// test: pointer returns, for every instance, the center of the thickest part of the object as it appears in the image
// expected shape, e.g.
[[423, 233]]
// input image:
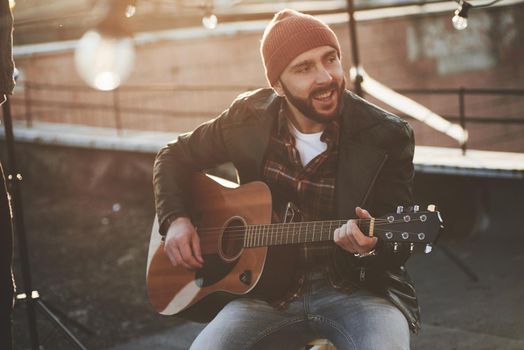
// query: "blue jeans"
[[358, 320]]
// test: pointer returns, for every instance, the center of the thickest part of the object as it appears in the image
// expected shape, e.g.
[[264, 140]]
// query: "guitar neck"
[[297, 232]]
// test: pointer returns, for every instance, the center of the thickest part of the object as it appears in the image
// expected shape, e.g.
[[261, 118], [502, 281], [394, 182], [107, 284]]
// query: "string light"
[[130, 10], [210, 21], [104, 56], [460, 19]]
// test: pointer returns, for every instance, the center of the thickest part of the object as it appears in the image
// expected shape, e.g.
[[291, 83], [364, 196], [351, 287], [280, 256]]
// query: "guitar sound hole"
[[233, 239]]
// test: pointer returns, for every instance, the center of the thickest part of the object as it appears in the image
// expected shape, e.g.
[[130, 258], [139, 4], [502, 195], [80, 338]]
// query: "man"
[[330, 153]]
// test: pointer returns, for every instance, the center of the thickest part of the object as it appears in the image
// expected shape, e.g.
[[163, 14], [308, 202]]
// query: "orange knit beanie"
[[289, 34]]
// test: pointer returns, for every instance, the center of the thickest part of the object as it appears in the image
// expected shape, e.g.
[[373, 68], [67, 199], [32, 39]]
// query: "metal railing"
[[40, 98]]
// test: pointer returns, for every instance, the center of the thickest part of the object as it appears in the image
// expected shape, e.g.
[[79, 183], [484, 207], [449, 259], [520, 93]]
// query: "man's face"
[[314, 83]]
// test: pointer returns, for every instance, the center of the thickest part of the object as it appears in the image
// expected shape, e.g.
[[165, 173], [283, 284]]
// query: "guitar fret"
[[266, 235]]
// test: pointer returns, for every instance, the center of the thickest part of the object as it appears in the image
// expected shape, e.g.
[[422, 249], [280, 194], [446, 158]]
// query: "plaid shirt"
[[311, 187]]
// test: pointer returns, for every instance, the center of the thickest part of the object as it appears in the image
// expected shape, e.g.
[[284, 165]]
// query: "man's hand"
[[182, 244], [349, 237]]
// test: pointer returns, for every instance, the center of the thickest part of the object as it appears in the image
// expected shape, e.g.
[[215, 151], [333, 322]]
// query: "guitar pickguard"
[[214, 270]]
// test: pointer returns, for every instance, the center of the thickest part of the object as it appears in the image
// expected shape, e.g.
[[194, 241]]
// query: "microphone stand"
[[31, 297]]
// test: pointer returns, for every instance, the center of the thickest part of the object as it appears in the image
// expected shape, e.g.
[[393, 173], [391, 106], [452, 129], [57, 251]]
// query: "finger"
[[362, 242], [178, 258], [343, 239], [359, 237], [187, 256], [197, 252], [340, 236], [355, 246], [336, 235], [168, 249], [362, 213]]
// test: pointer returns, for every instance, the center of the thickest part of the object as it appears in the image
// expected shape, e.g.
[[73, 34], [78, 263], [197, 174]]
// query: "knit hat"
[[289, 34]]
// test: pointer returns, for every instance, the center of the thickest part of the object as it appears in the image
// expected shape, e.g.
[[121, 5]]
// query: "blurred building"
[[185, 74]]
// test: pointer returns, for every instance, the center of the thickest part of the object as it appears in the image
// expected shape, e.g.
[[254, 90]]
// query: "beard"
[[305, 105]]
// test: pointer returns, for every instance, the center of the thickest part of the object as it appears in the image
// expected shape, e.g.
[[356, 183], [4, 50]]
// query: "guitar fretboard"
[[295, 232]]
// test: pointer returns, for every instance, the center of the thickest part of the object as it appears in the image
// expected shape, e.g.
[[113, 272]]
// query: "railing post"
[[462, 114], [116, 106], [27, 100], [354, 46]]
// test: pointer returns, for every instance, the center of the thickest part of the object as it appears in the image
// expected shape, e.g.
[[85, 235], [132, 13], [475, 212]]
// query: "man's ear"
[[278, 88]]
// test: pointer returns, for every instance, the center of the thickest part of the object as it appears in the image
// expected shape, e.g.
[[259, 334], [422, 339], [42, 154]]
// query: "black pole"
[[30, 297], [14, 179], [354, 47], [462, 111]]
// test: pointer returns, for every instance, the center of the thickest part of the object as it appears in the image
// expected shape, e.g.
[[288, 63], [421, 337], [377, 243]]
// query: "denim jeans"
[[358, 320]]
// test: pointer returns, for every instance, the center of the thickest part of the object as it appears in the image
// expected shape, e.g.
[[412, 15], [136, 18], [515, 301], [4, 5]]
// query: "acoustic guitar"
[[235, 230]]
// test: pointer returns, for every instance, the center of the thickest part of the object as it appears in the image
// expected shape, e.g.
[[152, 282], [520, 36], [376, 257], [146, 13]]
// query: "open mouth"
[[324, 96]]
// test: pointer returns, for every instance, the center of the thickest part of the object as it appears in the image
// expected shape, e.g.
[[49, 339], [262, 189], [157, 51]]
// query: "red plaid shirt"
[[311, 187]]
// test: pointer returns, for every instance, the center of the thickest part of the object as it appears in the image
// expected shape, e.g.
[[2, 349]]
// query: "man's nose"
[[323, 76]]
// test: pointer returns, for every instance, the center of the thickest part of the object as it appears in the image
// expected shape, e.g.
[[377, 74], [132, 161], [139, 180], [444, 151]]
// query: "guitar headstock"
[[410, 226]]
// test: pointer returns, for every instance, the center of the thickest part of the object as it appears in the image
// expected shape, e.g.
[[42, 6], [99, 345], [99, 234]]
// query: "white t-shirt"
[[308, 145]]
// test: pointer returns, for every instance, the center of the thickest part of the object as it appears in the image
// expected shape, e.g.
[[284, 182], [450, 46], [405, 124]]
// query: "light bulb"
[[460, 23], [12, 4], [130, 11], [210, 21], [104, 62]]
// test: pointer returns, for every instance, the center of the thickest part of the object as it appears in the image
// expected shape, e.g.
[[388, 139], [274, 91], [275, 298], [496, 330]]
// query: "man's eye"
[[303, 69]]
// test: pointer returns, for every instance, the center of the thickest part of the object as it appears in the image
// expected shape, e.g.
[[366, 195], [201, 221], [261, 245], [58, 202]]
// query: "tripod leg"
[[63, 316], [460, 264], [54, 318]]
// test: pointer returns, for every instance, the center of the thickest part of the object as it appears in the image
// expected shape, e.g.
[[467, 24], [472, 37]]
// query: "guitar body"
[[229, 269], [245, 253]]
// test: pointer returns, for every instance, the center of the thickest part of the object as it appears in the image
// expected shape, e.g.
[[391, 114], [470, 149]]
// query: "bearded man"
[[331, 153]]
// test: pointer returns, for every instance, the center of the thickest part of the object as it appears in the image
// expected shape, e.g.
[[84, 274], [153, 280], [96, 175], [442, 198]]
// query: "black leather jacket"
[[375, 171]]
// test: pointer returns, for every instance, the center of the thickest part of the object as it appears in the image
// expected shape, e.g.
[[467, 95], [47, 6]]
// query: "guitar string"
[[289, 227], [360, 221], [240, 234], [275, 235], [209, 238]]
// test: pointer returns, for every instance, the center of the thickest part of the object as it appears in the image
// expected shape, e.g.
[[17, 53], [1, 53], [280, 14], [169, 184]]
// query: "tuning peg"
[[416, 208], [432, 207], [428, 248], [400, 209]]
